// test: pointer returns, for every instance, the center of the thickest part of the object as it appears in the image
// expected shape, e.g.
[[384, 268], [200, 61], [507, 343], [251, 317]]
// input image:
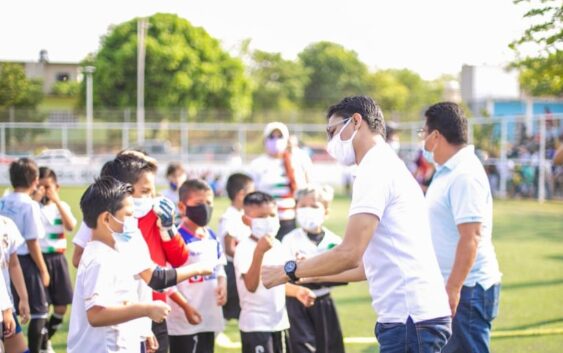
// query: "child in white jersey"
[[316, 328]]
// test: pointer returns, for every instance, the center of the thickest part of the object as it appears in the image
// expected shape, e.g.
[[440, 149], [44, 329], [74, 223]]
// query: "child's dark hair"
[[173, 168], [105, 194], [23, 173], [236, 183], [258, 198], [192, 185], [46, 172], [128, 168]]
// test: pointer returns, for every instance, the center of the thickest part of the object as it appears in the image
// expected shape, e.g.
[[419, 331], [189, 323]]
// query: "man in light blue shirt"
[[460, 207]]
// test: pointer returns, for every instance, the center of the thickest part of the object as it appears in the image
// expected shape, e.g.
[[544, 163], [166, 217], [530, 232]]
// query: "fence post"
[[242, 142], [469, 132], [184, 152], [3, 140], [541, 178], [125, 130], [64, 137], [503, 160]]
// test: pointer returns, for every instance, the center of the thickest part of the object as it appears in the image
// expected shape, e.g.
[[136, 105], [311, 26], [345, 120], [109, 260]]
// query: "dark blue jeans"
[[471, 325], [422, 337]]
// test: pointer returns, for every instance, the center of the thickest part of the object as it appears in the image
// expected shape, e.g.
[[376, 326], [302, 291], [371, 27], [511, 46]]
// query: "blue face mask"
[[429, 156], [130, 227]]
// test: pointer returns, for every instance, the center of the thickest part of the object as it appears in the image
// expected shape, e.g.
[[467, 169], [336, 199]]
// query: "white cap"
[[276, 125]]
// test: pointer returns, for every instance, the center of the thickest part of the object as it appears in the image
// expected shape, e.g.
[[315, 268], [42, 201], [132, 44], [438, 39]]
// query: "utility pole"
[[142, 26], [89, 70]]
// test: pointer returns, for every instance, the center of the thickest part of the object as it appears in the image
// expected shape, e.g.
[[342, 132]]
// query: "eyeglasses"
[[421, 133], [330, 129]]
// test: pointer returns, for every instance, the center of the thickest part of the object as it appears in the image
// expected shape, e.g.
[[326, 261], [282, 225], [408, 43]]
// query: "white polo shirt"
[[460, 193], [400, 265]]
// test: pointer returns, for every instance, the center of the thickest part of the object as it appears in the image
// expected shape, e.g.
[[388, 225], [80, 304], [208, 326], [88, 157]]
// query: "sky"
[[431, 37]]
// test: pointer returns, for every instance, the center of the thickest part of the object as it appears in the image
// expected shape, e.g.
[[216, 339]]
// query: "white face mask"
[[265, 226], [142, 206], [309, 218], [342, 151], [130, 227]]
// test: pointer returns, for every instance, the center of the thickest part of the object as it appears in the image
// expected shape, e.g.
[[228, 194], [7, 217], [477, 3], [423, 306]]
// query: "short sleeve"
[[243, 258], [83, 236], [15, 238], [139, 254], [68, 210], [468, 199], [33, 223], [371, 191], [5, 302], [98, 284]]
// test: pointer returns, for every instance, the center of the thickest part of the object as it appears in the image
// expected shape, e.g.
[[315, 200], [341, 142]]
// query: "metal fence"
[[515, 150]]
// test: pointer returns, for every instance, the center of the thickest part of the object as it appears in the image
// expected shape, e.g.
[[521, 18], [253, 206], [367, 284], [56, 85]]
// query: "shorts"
[[265, 342], [203, 342], [36, 292], [231, 310], [59, 291]]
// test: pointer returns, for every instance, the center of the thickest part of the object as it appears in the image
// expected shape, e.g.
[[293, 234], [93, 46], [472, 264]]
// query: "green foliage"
[[541, 73], [66, 88], [16, 90], [279, 83], [334, 73], [185, 67]]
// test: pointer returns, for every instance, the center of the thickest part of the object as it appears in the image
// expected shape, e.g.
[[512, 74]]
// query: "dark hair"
[[23, 173], [258, 198], [105, 194], [190, 186], [236, 183], [448, 118], [46, 172], [128, 168], [365, 106], [173, 168]]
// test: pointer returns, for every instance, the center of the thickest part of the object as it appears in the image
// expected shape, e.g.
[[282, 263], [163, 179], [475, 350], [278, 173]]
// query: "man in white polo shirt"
[[461, 214], [387, 239]]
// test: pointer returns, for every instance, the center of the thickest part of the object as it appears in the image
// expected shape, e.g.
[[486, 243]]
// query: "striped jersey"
[[54, 240]]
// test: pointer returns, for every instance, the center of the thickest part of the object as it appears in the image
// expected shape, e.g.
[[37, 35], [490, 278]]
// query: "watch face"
[[290, 266]]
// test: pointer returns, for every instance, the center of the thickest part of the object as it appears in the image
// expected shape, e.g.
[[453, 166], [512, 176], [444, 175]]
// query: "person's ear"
[[356, 120], [181, 208]]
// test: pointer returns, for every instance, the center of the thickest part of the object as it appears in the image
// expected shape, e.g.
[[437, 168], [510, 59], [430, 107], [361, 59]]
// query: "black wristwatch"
[[290, 267]]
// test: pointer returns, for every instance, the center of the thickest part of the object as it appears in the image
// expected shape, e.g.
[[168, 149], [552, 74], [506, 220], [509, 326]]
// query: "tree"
[[185, 68], [16, 90], [279, 83], [334, 72], [541, 74]]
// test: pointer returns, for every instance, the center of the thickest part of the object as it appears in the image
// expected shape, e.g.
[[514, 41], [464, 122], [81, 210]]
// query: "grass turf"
[[529, 241]]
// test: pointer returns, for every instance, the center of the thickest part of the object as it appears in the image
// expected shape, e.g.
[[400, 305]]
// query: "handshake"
[[165, 211]]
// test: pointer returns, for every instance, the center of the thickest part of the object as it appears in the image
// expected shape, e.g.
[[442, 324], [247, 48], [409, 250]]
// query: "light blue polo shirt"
[[26, 214], [460, 193]]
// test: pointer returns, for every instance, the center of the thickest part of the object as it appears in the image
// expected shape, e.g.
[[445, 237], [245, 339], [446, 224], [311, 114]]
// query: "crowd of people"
[[153, 276]]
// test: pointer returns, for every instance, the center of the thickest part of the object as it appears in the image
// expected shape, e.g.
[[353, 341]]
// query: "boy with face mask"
[[207, 294], [105, 306], [316, 327], [263, 320], [164, 243], [57, 219], [175, 175]]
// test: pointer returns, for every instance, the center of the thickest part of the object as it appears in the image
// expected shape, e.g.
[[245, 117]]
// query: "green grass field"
[[529, 241]]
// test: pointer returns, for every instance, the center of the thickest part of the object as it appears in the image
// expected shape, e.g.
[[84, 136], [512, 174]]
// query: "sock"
[[55, 322], [35, 331]]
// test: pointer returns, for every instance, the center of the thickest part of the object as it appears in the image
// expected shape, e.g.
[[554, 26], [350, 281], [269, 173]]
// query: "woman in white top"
[[280, 172]]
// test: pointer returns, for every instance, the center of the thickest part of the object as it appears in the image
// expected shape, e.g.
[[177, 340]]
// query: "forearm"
[[113, 315], [36, 255], [252, 277], [69, 222], [175, 251], [466, 253], [185, 272], [76, 255], [357, 274], [334, 262], [291, 290], [16, 275], [179, 299], [230, 245]]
